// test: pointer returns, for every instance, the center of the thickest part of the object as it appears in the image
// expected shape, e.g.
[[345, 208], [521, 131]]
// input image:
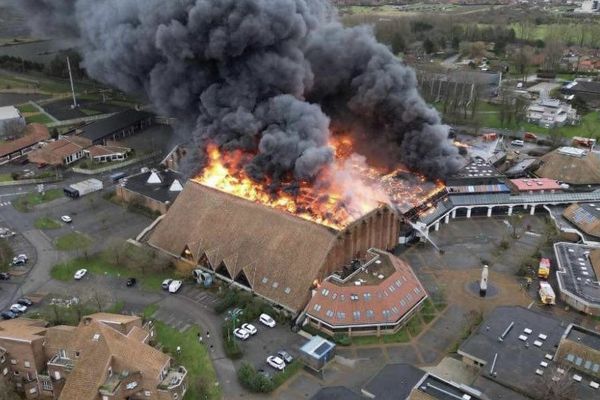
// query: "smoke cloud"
[[264, 76]]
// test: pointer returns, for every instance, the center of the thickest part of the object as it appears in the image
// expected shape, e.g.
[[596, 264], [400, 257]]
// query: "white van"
[[517, 143]]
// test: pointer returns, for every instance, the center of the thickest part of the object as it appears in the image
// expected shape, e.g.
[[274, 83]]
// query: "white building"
[[11, 121], [589, 6], [551, 113]]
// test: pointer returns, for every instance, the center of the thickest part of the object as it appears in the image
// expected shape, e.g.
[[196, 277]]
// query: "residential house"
[[107, 356], [33, 135], [61, 152], [551, 113]]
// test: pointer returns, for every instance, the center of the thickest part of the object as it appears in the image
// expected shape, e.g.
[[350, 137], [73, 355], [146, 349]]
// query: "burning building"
[[276, 254]]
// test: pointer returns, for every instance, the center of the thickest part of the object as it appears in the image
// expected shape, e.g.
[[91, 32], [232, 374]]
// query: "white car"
[[80, 274], [18, 308], [265, 319], [174, 286], [241, 333], [276, 362], [66, 219], [165, 284], [251, 329]]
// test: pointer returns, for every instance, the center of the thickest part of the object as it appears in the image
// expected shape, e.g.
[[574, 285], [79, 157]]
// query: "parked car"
[[18, 308], [517, 142], [175, 286], [276, 362], [131, 282], [265, 319], [4, 276], [251, 329], [66, 219], [80, 274], [8, 315], [285, 356], [18, 262], [166, 283], [25, 301], [241, 333]]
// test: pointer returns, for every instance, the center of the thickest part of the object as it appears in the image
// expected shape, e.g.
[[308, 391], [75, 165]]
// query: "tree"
[[515, 221], [522, 59], [555, 137], [397, 43], [556, 385], [429, 46]]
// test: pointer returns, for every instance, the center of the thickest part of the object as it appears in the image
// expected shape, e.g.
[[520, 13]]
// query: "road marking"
[[530, 304], [185, 327]]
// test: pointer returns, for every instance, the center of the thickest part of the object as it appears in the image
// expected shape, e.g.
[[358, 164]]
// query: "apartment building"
[[106, 357]]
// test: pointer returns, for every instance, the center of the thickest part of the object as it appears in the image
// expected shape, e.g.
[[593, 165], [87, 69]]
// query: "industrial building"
[[586, 217], [115, 127], [577, 275], [379, 296], [275, 254], [571, 165]]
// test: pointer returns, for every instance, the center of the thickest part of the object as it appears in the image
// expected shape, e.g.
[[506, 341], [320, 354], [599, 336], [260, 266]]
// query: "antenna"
[[72, 86]]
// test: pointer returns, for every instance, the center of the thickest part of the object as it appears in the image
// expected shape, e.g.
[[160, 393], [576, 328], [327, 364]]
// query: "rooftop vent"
[[96, 337], [176, 186], [154, 178]]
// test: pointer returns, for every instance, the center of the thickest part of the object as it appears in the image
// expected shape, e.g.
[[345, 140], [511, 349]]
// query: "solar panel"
[[322, 349]]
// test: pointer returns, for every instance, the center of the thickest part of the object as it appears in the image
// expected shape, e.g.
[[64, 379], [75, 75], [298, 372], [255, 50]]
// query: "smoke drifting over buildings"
[[265, 76]]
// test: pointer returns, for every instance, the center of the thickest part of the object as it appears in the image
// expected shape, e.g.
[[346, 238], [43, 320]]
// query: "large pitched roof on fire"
[[278, 254]]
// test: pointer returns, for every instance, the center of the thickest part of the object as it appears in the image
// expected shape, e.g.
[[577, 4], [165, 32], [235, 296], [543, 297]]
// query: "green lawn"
[[47, 223], [38, 118], [97, 264], [28, 108], [26, 202], [73, 241], [202, 379], [6, 178]]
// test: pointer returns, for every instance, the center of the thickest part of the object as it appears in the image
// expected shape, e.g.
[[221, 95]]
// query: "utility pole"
[[72, 86]]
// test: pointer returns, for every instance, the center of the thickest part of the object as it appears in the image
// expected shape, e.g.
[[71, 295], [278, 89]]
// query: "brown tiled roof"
[[57, 338], [280, 254], [137, 333], [100, 150], [343, 305], [595, 261], [34, 133], [54, 152], [23, 328], [100, 346], [113, 318]]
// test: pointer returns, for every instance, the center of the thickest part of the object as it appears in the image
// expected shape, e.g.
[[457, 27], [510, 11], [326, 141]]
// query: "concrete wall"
[[129, 197]]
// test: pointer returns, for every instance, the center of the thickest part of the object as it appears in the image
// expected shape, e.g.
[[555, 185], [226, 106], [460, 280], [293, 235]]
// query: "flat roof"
[[477, 169], [526, 185], [587, 337], [336, 393], [576, 274], [9, 112], [317, 346], [441, 389], [526, 337], [394, 381]]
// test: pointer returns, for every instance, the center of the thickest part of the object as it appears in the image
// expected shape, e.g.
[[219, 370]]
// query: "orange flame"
[[343, 192]]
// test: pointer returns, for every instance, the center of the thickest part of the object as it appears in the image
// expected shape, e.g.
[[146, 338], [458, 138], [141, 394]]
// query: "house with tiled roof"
[[34, 134], [376, 297], [107, 356]]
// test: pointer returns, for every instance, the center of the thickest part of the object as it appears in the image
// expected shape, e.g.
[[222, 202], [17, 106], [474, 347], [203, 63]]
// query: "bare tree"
[[99, 300], [555, 384], [7, 391]]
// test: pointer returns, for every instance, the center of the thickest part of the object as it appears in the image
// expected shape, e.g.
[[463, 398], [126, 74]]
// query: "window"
[[370, 314], [32, 390], [329, 313], [13, 361], [147, 393], [341, 315], [334, 296], [325, 292], [265, 280], [356, 315], [46, 384], [287, 290], [275, 285], [104, 397], [367, 296], [317, 307], [5, 371], [76, 354], [386, 314], [27, 364], [131, 385], [16, 373], [56, 375]]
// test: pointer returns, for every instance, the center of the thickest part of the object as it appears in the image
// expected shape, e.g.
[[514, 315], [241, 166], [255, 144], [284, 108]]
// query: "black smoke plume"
[[267, 76]]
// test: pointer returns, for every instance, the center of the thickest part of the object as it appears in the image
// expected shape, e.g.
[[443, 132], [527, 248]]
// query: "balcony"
[[60, 361], [173, 379]]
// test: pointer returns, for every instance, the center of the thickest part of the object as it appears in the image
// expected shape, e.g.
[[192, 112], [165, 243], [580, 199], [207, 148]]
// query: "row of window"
[[582, 363], [27, 364]]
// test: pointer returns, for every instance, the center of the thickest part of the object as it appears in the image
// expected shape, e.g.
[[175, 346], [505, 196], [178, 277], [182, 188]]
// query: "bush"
[[342, 339], [229, 299], [253, 380], [230, 345], [504, 244]]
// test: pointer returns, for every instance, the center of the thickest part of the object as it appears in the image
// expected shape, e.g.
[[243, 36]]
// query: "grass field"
[[99, 265], [202, 379], [72, 242], [28, 109], [47, 223], [6, 178], [26, 202], [39, 118]]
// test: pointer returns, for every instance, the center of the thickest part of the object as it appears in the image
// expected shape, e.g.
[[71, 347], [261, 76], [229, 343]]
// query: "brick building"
[[107, 356]]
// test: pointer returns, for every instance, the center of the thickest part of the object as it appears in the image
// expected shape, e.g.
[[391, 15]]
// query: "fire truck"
[[544, 268], [547, 293]]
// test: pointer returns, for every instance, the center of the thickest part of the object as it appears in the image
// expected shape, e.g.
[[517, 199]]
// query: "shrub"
[[229, 299], [504, 244], [342, 339], [230, 345], [253, 380]]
